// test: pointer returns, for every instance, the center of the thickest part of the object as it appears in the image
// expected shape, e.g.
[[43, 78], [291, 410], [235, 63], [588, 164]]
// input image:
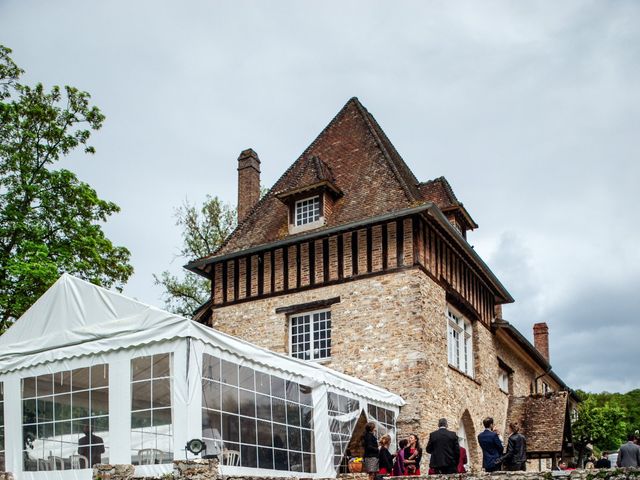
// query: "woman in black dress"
[[385, 458], [371, 450]]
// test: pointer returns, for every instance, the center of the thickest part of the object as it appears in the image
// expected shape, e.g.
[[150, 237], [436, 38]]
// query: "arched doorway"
[[467, 436]]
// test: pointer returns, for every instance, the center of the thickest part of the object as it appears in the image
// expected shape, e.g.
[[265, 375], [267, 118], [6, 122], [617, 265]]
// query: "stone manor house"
[[350, 261]]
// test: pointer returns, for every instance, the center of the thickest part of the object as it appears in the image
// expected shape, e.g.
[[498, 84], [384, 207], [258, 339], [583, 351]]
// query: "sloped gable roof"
[[439, 192], [542, 420], [364, 165]]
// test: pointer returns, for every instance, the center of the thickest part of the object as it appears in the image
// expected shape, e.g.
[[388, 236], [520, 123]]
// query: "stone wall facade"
[[391, 330]]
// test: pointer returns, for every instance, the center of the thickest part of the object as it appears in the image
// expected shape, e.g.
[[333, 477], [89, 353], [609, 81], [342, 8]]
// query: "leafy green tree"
[[629, 402], [50, 221], [203, 231], [602, 426]]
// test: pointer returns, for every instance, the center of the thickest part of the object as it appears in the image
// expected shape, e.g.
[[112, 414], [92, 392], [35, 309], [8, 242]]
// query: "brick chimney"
[[541, 339], [248, 182]]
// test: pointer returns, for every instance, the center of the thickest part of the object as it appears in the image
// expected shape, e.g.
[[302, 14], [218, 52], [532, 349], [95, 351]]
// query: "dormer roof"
[[313, 174]]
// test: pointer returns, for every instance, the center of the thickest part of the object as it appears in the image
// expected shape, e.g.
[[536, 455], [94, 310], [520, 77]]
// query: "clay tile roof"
[[312, 171], [542, 420], [439, 192], [363, 164]]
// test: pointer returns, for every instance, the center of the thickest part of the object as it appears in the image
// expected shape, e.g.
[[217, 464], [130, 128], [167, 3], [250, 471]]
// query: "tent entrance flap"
[[348, 417]]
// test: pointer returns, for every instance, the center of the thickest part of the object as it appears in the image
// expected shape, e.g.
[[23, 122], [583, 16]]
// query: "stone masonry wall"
[[202, 470], [391, 330]]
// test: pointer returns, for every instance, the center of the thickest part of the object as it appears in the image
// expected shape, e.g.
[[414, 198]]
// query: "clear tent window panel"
[[65, 417], [343, 416], [384, 419], [151, 409], [254, 419]]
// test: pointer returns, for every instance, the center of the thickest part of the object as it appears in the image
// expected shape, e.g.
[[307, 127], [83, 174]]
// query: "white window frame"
[[152, 432], [310, 211], [312, 330], [503, 379], [66, 441], [214, 381], [459, 341]]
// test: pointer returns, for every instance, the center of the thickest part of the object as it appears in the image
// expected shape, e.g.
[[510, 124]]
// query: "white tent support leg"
[[180, 400], [13, 423], [119, 408], [324, 446], [187, 395]]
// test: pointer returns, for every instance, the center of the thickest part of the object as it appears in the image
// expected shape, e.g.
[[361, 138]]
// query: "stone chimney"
[[541, 339], [248, 182]]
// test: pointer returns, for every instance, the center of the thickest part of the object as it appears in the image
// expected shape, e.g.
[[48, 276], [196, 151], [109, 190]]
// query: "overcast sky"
[[530, 109]]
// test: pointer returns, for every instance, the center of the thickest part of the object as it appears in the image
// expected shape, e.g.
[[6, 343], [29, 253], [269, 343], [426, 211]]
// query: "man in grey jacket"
[[629, 454]]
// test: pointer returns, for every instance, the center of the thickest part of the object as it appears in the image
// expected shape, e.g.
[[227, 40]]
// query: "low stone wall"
[[208, 470], [182, 470]]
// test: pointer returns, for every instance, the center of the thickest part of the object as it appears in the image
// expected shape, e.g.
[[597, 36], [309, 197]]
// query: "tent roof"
[[75, 318]]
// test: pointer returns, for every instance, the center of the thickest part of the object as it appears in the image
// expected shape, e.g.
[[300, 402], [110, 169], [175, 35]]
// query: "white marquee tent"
[[89, 375]]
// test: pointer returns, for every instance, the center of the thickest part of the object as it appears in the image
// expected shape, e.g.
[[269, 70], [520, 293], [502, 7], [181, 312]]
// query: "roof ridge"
[[447, 187], [371, 123]]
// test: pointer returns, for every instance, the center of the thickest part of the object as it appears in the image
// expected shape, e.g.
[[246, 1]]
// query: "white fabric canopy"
[[76, 325], [76, 318]]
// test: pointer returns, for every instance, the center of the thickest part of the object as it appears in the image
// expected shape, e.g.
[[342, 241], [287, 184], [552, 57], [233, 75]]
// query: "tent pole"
[[323, 443]]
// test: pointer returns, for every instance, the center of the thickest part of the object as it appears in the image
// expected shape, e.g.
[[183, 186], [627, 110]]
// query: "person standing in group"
[[603, 461], [385, 459], [491, 446], [398, 465], [463, 458], [444, 449], [629, 453], [412, 456], [371, 450], [516, 457]]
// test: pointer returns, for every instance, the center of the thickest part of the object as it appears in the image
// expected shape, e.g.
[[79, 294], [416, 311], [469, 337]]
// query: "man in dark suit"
[[629, 454], [491, 446], [444, 449], [604, 461]]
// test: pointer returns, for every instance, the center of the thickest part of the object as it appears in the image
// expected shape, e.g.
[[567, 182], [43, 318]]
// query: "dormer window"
[[311, 201], [307, 211]]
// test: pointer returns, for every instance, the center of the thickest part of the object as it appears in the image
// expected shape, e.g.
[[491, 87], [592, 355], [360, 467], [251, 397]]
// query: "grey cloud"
[[530, 109]]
